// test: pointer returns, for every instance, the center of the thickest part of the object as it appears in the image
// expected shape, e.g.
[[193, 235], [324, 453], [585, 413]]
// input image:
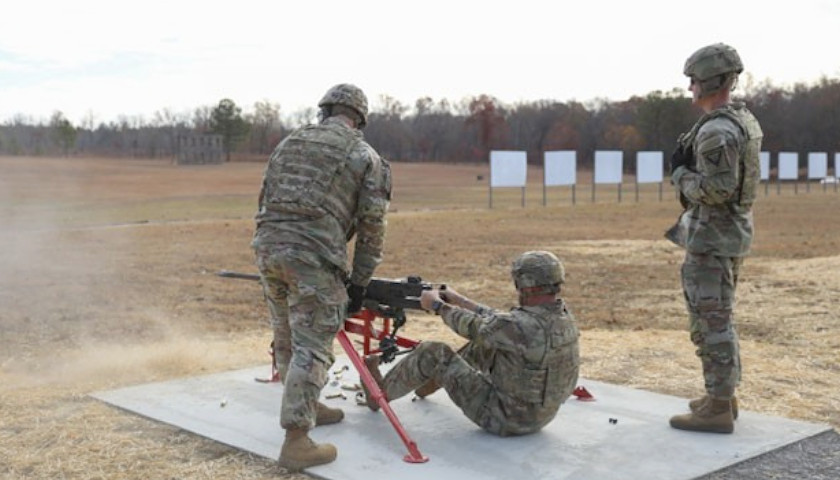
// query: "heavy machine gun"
[[387, 300]]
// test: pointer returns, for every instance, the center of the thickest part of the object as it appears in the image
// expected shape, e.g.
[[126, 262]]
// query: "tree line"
[[802, 118]]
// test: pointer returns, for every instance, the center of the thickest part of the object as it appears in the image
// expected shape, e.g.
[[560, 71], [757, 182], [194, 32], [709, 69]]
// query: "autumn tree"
[[802, 118], [486, 122], [546, 125]]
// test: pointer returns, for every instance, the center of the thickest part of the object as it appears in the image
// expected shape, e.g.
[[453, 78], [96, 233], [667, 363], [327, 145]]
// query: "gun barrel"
[[243, 276]]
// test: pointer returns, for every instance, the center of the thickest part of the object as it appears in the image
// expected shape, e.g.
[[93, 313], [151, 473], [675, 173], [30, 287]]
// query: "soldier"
[[716, 170], [517, 368], [322, 184]]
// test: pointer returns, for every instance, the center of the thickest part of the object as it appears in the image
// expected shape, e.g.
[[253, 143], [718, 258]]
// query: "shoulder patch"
[[713, 156]]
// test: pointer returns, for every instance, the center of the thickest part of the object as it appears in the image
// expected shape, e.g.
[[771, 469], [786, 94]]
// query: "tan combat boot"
[[427, 389], [325, 415], [695, 404], [299, 451], [712, 416], [372, 364]]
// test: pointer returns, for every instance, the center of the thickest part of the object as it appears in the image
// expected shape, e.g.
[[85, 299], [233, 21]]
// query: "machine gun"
[[388, 299], [385, 299]]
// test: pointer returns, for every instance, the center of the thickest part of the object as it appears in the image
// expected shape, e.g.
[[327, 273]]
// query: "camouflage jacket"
[[721, 185], [534, 367], [323, 184]]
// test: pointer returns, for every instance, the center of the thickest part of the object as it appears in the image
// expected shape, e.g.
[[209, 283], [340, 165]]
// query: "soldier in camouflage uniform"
[[518, 367], [322, 185], [716, 170]]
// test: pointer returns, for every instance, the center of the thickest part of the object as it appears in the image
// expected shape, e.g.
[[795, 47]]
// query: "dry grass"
[[107, 280]]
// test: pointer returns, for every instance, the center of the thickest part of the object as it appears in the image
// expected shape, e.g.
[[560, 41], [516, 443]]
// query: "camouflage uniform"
[[716, 230], [323, 184], [513, 375]]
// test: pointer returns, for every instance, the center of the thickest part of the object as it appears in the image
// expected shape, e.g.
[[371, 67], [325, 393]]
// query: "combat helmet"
[[538, 273], [712, 65], [350, 96]]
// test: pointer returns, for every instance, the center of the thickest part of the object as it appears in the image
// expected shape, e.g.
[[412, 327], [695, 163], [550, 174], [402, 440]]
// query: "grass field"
[[108, 280]]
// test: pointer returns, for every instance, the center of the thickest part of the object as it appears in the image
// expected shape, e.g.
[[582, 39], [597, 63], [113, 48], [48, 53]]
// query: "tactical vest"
[[748, 159], [552, 380], [308, 174]]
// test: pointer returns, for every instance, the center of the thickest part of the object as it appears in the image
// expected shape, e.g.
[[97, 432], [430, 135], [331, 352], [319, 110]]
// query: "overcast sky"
[[107, 58]]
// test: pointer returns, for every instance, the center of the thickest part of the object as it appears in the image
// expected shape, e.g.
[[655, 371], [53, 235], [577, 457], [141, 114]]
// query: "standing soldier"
[[518, 367], [716, 170], [323, 184]]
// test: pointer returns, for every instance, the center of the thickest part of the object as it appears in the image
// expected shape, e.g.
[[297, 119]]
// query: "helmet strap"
[[717, 83]]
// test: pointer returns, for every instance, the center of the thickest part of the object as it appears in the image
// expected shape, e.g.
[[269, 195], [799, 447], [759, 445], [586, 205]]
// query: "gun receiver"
[[395, 293]]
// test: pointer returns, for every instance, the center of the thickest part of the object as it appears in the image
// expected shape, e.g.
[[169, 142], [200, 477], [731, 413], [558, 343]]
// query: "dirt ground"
[[107, 279]]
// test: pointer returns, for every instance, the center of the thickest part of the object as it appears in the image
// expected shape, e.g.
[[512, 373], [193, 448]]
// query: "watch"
[[436, 306]]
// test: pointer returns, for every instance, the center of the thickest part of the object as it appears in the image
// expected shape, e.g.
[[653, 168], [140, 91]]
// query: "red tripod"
[[362, 324], [388, 343]]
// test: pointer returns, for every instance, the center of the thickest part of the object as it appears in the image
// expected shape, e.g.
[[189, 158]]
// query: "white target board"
[[508, 168], [608, 165], [788, 165], [764, 165], [817, 165], [560, 167], [649, 167]]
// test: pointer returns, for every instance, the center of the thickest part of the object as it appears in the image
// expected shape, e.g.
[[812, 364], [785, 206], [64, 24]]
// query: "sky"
[[97, 60]]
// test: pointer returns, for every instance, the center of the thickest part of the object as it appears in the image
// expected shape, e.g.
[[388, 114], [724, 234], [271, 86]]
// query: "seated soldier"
[[517, 368]]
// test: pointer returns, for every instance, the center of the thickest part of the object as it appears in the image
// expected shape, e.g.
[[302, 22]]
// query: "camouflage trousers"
[[459, 373], [307, 300], [709, 287]]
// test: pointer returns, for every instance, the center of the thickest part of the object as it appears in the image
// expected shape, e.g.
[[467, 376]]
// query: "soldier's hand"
[[357, 295], [428, 298], [682, 157], [451, 296]]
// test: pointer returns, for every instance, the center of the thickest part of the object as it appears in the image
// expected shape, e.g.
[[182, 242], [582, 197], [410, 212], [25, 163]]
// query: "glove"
[[357, 295], [682, 157]]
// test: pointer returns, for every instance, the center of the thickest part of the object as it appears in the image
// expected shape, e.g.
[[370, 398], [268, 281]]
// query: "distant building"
[[200, 149]]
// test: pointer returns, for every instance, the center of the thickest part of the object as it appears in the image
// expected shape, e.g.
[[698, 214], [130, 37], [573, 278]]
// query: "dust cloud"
[[77, 302]]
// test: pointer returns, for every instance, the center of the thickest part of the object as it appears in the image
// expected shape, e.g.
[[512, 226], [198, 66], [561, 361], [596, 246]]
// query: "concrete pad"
[[581, 443]]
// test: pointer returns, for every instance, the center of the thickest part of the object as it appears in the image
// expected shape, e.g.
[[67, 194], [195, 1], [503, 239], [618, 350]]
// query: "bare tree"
[[303, 117], [265, 126]]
